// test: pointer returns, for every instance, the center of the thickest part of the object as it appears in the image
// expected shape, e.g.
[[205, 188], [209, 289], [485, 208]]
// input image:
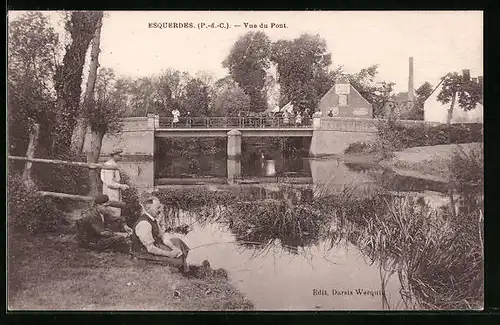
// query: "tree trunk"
[[78, 141], [452, 106], [34, 135], [81, 128], [93, 157]]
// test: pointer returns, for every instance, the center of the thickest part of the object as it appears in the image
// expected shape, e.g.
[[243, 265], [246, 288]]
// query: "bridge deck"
[[222, 132]]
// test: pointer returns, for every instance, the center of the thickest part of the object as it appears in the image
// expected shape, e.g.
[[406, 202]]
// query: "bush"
[[467, 175], [28, 211], [131, 197], [395, 135], [62, 178], [359, 147]]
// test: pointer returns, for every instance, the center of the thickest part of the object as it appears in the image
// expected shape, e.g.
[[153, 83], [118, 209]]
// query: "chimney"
[[466, 74], [410, 80]]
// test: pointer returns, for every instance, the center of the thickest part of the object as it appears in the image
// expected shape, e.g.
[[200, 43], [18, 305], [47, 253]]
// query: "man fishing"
[[149, 243], [94, 229]]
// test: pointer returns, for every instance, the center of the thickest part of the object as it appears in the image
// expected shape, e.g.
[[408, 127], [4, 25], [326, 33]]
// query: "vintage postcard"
[[245, 160]]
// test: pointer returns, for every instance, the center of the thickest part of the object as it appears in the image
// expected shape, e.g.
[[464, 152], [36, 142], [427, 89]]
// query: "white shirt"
[[111, 181], [144, 231]]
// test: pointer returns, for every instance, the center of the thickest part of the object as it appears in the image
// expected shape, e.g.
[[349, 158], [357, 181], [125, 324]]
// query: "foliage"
[[195, 99], [438, 259], [68, 76], [302, 66], [376, 93], [247, 63], [359, 147], [62, 178], [28, 211], [422, 93], [461, 87], [105, 113], [231, 101], [395, 135], [32, 48], [467, 175], [131, 197]]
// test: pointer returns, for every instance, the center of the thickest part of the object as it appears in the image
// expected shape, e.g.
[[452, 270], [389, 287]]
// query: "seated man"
[[94, 231], [150, 244]]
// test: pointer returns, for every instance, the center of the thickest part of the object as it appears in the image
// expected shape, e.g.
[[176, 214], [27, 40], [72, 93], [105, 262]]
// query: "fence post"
[[26, 177]]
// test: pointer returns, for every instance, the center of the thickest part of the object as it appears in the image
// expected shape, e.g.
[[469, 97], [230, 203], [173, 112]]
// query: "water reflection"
[[283, 275]]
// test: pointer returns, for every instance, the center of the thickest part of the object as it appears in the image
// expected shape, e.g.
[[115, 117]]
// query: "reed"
[[437, 257]]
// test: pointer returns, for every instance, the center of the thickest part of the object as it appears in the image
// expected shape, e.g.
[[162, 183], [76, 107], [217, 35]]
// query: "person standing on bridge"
[[307, 116], [286, 119], [188, 119], [111, 185], [175, 114], [298, 119]]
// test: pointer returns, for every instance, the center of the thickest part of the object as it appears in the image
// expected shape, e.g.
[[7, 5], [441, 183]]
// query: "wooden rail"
[[62, 162], [116, 204]]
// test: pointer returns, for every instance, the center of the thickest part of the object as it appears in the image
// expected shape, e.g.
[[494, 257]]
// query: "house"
[[276, 109], [435, 111], [343, 100]]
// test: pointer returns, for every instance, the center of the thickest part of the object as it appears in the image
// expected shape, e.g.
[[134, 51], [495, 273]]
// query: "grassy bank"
[[431, 162], [52, 273]]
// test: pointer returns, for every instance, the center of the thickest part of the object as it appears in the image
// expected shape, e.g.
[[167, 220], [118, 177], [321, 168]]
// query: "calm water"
[[284, 279]]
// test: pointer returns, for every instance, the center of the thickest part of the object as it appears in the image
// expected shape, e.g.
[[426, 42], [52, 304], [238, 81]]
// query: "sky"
[[439, 41]]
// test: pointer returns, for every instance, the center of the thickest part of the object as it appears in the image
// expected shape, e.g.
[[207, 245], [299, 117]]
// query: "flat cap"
[[101, 199], [116, 152]]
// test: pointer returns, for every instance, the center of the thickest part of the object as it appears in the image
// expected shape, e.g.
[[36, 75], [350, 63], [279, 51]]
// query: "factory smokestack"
[[410, 80]]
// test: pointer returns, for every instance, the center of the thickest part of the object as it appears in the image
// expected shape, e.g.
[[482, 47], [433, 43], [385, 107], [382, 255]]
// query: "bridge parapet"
[[204, 122]]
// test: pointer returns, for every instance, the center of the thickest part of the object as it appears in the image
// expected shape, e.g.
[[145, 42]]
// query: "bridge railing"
[[234, 122]]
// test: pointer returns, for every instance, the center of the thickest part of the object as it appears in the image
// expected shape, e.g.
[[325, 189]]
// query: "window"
[[342, 100]]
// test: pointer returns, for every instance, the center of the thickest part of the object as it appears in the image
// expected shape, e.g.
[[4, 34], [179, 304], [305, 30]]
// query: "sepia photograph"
[[245, 161]]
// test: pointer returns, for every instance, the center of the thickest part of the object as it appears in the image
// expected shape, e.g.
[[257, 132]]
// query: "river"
[[288, 277]]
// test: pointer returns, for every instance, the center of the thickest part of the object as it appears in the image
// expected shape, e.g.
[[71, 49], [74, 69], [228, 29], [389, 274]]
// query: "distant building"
[[401, 104], [435, 111], [343, 100]]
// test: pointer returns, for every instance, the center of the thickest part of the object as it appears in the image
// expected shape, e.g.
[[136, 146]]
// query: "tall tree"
[[104, 114], [81, 128], [32, 49], [195, 99], [302, 66], [459, 87], [68, 77], [230, 101], [247, 63]]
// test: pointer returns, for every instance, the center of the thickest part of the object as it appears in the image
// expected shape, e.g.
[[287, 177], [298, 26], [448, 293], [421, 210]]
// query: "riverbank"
[[429, 162], [50, 272]]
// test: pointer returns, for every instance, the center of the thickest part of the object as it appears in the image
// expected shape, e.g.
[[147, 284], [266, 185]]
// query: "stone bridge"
[[329, 136]]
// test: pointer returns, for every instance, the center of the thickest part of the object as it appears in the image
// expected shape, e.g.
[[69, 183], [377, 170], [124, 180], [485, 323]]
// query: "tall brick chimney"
[[410, 80], [466, 74]]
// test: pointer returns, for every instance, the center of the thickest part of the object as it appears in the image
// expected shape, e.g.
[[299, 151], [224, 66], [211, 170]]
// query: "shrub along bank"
[[393, 135]]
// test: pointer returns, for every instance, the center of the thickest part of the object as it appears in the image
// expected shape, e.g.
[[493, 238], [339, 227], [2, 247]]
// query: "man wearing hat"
[[94, 231], [111, 185], [149, 242]]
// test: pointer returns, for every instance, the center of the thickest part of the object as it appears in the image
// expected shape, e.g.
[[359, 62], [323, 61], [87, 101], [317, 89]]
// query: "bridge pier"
[[233, 155]]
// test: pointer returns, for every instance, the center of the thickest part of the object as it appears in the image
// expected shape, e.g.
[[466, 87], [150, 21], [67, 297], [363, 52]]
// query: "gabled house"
[[343, 100], [435, 111]]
